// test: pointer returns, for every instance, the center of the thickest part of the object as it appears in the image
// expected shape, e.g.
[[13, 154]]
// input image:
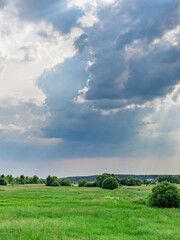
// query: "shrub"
[[55, 183], [3, 181], [110, 183], [90, 184], [147, 182], [102, 177], [82, 182], [130, 181], [50, 180], [41, 181], [65, 182], [164, 195]]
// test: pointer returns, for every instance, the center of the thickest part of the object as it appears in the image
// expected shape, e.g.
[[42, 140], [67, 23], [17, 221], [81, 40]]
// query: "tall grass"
[[38, 212]]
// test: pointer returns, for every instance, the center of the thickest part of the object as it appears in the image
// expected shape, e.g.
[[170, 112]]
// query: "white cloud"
[[90, 7], [85, 3], [27, 50], [42, 140], [88, 20], [12, 127]]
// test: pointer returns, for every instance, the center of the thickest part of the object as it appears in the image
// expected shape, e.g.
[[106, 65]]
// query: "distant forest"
[[93, 177], [92, 181]]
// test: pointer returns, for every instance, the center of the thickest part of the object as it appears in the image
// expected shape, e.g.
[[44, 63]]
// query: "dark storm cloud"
[[52, 11], [117, 78], [133, 77], [85, 132], [122, 72], [149, 20]]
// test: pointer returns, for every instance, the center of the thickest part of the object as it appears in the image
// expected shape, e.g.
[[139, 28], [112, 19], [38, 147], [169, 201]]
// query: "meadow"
[[38, 212]]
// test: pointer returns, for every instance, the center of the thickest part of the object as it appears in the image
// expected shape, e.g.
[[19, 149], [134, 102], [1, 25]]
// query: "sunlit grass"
[[38, 212]]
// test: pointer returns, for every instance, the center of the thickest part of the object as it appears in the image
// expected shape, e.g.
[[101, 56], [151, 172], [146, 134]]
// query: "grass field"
[[37, 212]]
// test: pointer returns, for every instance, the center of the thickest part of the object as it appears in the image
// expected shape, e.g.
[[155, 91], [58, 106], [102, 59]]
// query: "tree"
[[17, 179], [90, 184], [130, 181], [110, 183], [35, 179], [27, 180], [55, 183], [3, 181], [102, 177], [82, 182], [22, 179], [41, 181], [147, 182], [10, 179], [50, 180], [169, 178], [30, 180], [65, 182], [164, 195]]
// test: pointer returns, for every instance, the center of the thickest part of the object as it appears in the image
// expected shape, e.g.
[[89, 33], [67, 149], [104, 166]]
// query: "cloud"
[[135, 54], [109, 115], [92, 166], [148, 20], [2, 3], [27, 50], [89, 80], [84, 131], [81, 42], [12, 127], [54, 12]]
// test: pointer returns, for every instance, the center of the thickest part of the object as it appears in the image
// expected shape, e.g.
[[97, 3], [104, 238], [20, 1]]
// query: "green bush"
[[3, 181], [82, 182], [50, 180], [55, 183], [147, 182], [102, 177], [64, 182], [130, 181], [165, 195], [110, 183], [90, 184]]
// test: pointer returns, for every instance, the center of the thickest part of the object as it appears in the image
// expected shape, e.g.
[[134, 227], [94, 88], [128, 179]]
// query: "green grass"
[[38, 212]]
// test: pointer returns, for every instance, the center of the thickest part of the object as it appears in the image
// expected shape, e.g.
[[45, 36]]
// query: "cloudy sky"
[[89, 86]]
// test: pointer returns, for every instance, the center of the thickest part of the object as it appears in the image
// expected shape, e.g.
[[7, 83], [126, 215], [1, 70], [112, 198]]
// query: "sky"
[[89, 86]]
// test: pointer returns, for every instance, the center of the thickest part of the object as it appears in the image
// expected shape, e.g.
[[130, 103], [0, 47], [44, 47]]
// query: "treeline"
[[9, 179], [95, 181], [169, 178], [55, 181], [93, 177], [101, 181]]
